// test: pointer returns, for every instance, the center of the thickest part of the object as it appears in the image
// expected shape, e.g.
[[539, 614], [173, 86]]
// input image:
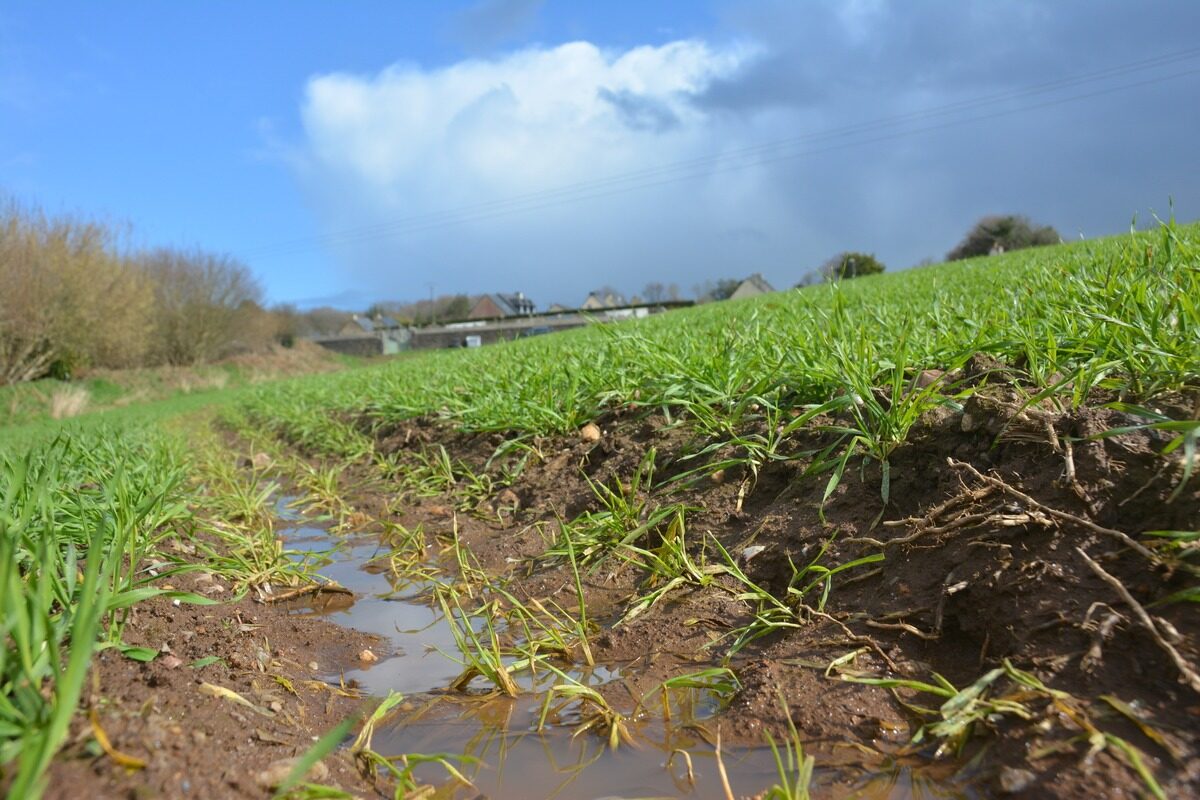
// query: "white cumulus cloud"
[[412, 150]]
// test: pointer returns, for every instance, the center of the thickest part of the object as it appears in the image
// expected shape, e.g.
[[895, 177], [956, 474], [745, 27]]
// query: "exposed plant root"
[[1073, 479], [866, 641], [1190, 677], [904, 626], [1124, 538], [1101, 631]]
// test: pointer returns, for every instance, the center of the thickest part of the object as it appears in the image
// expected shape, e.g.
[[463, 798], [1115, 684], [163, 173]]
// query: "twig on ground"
[[312, 588]]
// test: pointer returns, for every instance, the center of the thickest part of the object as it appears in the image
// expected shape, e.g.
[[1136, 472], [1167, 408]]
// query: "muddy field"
[[1012, 561]]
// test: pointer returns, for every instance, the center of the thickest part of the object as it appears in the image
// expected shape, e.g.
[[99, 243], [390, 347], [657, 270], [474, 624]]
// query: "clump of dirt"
[[1012, 539]]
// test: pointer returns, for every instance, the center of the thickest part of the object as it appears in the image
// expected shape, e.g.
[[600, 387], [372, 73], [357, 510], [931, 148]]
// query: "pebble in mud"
[[1014, 780], [278, 772], [590, 432]]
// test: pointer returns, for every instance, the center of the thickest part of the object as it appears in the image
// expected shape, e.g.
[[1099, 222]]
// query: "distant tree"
[[455, 307], [200, 302], [379, 310], [1001, 233], [672, 291], [720, 289], [851, 265], [809, 278], [288, 324], [68, 298], [654, 292], [322, 321]]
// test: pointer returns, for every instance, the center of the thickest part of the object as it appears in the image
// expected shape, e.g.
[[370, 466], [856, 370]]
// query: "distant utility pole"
[[432, 317]]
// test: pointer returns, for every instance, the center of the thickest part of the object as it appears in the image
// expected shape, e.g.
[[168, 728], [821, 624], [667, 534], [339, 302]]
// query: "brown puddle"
[[495, 742]]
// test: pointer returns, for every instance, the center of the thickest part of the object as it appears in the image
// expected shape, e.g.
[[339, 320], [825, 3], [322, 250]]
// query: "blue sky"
[[362, 151]]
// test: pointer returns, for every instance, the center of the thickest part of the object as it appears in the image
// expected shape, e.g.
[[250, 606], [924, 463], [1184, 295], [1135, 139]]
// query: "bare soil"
[[992, 510], [195, 743]]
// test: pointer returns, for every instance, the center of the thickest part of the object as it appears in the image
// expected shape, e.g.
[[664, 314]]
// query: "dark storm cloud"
[[817, 52], [1085, 164], [488, 23]]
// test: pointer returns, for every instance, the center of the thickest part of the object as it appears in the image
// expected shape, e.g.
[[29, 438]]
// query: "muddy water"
[[496, 738]]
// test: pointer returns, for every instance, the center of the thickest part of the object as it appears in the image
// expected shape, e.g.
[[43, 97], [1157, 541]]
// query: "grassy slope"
[[1117, 314]]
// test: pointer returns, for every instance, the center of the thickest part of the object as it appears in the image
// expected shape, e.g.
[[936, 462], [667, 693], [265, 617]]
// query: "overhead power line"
[[855, 135]]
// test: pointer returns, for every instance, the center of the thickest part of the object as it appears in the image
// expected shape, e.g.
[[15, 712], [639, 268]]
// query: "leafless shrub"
[[204, 304], [67, 300]]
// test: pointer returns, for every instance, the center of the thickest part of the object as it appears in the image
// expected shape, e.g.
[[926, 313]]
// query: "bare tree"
[[720, 289], [67, 299], [654, 292], [200, 301]]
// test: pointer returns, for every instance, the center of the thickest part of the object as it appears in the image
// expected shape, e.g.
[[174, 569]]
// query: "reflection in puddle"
[[507, 755]]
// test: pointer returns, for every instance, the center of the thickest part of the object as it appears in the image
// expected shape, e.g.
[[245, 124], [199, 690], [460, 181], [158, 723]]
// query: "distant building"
[[753, 286], [596, 302], [496, 305], [359, 325], [368, 336]]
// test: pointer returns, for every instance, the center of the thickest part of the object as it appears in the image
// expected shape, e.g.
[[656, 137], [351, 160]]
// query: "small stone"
[[261, 461], [508, 499], [171, 661], [590, 432], [313, 666], [1013, 779], [367, 657], [968, 423], [928, 377], [277, 773], [751, 551]]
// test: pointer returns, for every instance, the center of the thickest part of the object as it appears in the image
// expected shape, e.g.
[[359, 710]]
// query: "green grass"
[[1117, 314], [79, 519], [113, 423]]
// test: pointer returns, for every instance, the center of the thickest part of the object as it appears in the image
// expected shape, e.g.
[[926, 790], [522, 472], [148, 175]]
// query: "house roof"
[[512, 304], [756, 282], [606, 300]]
